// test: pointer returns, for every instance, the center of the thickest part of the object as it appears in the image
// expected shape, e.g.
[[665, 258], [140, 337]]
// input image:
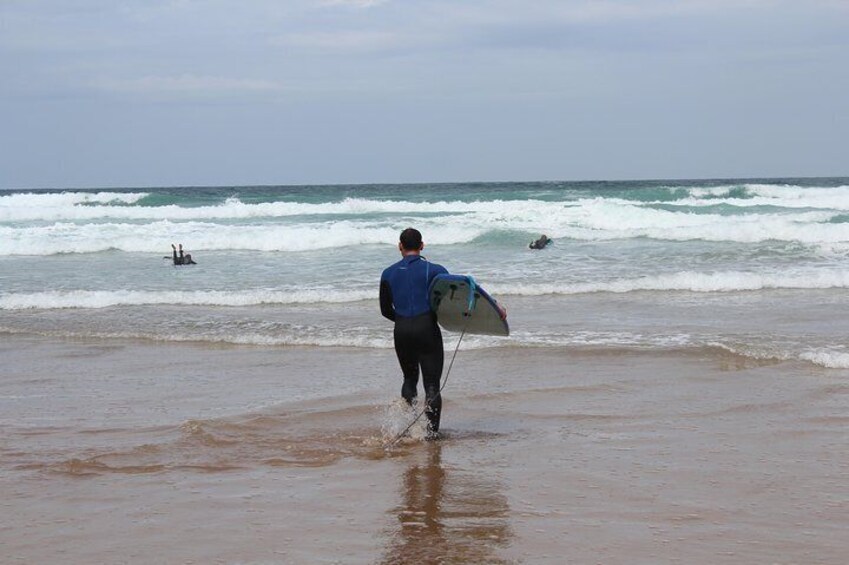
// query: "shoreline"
[[176, 452]]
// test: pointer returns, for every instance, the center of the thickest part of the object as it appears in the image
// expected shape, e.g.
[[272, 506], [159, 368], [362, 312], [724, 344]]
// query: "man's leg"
[[408, 358], [432, 360]]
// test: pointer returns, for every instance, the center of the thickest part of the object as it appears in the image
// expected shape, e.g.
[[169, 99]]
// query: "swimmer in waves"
[[181, 259], [540, 243]]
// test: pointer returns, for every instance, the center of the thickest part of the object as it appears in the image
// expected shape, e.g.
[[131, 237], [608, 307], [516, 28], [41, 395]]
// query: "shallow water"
[[150, 452]]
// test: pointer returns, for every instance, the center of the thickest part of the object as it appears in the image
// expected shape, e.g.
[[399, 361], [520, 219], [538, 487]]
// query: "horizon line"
[[427, 183]]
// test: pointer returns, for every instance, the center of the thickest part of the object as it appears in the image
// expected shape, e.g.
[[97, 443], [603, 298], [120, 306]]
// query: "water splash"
[[397, 416]]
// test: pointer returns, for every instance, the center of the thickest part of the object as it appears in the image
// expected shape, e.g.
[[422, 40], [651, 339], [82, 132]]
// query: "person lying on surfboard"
[[540, 243], [404, 299]]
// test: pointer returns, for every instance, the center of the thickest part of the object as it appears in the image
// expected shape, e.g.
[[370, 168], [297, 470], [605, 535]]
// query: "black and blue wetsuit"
[[418, 341]]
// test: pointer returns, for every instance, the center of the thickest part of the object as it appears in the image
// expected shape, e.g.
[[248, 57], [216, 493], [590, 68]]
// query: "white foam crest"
[[583, 339], [786, 196], [52, 206], [85, 206], [342, 339], [708, 191], [353, 338], [728, 281], [605, 220], [157, 237], [35, 199], [591, 220], [323, 337], [516, 214], [70, 208], [371, 338], [106, 298], [791, 192], [828, 358]]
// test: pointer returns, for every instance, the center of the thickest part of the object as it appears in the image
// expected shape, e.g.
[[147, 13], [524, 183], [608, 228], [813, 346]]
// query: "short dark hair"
[[411, 239]]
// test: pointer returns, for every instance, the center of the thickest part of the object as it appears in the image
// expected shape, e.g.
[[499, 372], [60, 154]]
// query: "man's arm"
[[386, 307]]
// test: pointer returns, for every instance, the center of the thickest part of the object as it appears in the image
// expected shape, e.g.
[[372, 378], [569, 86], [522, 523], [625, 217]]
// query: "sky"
[[136, 93]]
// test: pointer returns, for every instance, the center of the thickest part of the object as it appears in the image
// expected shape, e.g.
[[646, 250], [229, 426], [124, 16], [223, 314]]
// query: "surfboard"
[[461, 304]]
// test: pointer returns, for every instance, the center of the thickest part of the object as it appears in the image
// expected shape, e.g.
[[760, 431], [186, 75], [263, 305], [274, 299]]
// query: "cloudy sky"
[[98, 93]]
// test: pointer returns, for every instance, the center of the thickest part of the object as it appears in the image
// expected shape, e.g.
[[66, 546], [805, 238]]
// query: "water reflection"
[[446, 514]]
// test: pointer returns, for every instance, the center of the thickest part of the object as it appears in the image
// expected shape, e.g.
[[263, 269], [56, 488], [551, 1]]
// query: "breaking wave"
[[106, 298], [681, 281], [830, 359], [590, 220], [687, 281], [82, 206]]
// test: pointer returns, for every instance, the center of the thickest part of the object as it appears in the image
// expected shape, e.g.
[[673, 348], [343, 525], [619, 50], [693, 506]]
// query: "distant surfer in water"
[[540, 243], [181, 259], [418, 340]]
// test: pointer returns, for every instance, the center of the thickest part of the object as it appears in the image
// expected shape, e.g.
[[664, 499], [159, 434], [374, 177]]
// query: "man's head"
[[410, 241]]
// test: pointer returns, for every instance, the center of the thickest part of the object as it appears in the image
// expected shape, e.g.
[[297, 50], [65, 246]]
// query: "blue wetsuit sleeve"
[[436, 269], [386, 306]]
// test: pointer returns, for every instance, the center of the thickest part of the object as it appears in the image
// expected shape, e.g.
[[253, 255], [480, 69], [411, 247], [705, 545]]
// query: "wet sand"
[[142, 452]]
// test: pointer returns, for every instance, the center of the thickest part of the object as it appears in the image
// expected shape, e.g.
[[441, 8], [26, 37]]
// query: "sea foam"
[[106, 298], [830, 359], [687, 281], [585, 220], [681, 281]]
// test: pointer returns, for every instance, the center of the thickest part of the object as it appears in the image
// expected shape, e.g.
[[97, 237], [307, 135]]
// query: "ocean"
[[736, 264], [675, 387]]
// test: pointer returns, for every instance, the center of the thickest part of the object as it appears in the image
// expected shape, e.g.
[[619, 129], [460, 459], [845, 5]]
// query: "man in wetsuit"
[[540, 243], [418, 341]]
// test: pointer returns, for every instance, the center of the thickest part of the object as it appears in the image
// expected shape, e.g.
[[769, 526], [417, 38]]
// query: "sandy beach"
[[143, 452]]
